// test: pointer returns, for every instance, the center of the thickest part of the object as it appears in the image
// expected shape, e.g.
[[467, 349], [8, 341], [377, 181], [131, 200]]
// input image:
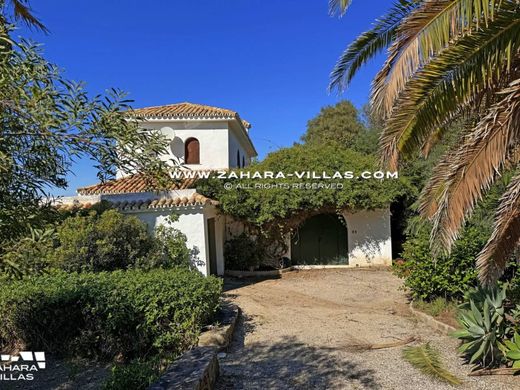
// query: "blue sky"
[[269, 60]]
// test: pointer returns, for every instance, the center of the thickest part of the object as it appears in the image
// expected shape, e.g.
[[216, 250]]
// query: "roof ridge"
[[189, 103]]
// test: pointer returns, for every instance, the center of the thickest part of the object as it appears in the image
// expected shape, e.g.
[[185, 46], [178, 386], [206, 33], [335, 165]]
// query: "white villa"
[[210, 138]]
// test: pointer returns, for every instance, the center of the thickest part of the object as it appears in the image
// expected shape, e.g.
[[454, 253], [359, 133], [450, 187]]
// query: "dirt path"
[[304, 331]]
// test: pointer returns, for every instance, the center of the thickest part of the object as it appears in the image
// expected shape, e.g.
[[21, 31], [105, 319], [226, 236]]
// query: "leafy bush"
[[169, 250], [447, 276], [101, 243], [30, 254], [512, 350], [243, 252], [137, 375], [273, 203], [121, 313]]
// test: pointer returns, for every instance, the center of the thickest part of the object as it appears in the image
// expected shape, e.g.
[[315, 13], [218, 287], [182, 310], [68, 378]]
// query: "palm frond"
[[24, 13], [491, 261], [338, 7], [450, 83], [475, 166], [428, 360], [431, 194], [424, 33], [368, 44]]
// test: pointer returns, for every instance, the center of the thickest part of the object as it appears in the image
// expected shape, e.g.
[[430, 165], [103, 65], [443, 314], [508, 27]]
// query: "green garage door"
[[321, 239]]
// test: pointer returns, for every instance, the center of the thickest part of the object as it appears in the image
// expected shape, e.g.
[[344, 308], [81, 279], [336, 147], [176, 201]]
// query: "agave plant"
[[483, 327], [449, 60]]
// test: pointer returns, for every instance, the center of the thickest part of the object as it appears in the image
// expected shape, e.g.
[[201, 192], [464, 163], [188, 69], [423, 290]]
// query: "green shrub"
[[101, 243], [169, 250], [111, 241], [448, 276], [122, 313], [27, 255], [137, 375], [242, 253]]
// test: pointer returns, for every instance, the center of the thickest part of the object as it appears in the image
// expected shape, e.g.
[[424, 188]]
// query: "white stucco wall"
[[219, 141], [192, 221], [234, 146], [369, 237], [212, 136]]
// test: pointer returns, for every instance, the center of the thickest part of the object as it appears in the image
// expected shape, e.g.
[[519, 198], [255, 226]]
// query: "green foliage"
[[436, 307], [169, 250], [243, 252], [447, 276], [269, 201], [122, 313], [139, 374], [428, 360], [97, 239], [102, 243], [368, 44], [49, 122], [337, 124], [483, 327], [512, 350], [29, 254]]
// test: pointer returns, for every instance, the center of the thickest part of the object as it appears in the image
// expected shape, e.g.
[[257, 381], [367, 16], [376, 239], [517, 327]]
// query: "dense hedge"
[[101, 243], [447, 276], [122, 313]]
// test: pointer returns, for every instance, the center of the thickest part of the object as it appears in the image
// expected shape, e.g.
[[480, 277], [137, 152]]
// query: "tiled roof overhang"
[[187, 110], [134, 184], [151, 204]]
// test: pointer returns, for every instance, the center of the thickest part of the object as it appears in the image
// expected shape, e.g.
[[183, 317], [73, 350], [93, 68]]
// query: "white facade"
[[369, 237], [220, 142], [223, 143], [193, 222]]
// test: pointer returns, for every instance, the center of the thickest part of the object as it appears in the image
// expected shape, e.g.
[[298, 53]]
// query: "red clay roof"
[[133, 184], [188, 111], [193, 200]]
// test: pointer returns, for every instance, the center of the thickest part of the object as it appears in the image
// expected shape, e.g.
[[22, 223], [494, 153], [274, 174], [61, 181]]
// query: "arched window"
[[192, 151], [243, 162], [238, 159]]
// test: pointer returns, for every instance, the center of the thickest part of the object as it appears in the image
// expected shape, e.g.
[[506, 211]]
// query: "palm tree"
[[21, 10], [447, 60]]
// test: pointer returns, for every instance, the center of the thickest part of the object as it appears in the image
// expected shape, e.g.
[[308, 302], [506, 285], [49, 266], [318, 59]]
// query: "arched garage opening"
[[320, 239]]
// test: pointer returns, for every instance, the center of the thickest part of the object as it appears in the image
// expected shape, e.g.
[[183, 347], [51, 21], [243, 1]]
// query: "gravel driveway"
[[306, 331]]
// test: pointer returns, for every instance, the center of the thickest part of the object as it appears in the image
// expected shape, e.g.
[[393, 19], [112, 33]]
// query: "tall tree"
[[47, 123], [334, 124], [447, 60]]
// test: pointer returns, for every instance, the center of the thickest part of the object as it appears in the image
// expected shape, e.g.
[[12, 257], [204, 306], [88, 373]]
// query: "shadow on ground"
[[63, 375], [290, 364], [232, 283]]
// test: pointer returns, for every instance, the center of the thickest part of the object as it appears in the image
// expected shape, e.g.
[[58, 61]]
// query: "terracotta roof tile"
[[193, 200], [188, 111], [165, 203], [133, 184]]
